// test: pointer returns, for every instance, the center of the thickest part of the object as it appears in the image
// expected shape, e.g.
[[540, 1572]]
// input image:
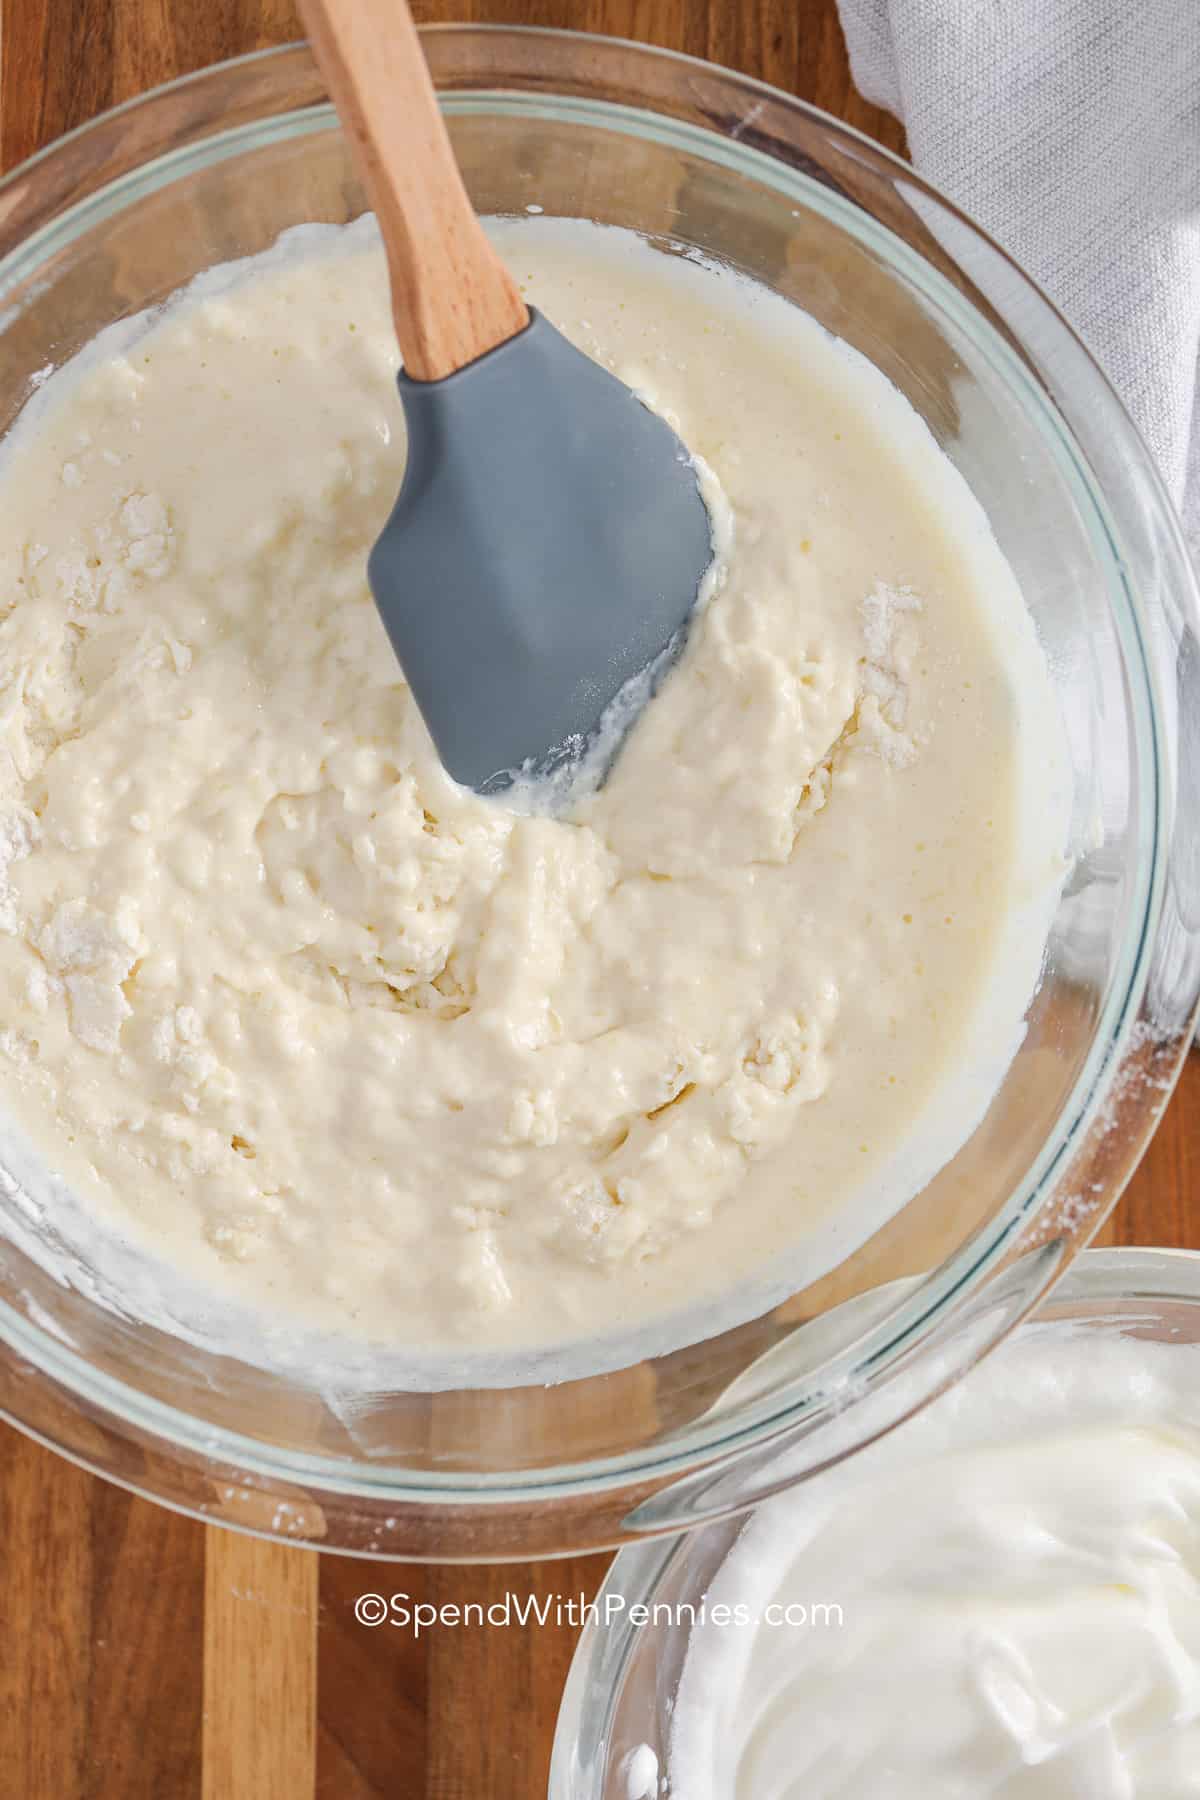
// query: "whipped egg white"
[[998, 1601]]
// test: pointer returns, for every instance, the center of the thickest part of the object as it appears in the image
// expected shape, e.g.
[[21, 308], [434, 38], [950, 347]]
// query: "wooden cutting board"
[[143, 1657]]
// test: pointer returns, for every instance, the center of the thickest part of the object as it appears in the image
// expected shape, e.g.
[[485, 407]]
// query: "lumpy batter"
[[341, 1037], [999, 1601]]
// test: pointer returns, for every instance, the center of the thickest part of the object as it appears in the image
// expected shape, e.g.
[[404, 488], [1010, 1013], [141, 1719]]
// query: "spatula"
[[550, 539]]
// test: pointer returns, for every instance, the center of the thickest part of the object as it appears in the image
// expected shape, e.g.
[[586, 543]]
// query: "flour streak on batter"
[[341, 1038]]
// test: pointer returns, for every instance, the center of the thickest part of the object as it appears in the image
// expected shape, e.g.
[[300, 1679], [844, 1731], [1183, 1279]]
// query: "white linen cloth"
[[1070, 130]]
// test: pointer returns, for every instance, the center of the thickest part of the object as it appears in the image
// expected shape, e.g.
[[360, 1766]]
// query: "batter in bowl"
[[343, 1040]]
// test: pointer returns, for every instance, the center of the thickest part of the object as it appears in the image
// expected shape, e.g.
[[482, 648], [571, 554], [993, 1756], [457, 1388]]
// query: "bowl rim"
[[959, 1275]]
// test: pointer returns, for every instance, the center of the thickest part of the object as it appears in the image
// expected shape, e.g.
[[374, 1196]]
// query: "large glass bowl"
[[114, 218], [620, 1692]]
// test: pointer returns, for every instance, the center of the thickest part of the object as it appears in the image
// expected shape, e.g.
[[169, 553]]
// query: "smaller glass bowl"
[[620, 1692]]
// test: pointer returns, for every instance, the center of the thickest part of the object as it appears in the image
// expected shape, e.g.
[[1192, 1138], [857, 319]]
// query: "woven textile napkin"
[[1070, 130]]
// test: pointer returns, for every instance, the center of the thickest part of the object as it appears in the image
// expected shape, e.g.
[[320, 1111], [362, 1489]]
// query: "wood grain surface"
[[141, 1657], [260, 1666]]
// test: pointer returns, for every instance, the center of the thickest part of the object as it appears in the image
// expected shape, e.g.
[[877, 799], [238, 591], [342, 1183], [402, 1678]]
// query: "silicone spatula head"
[[547, 546], [550, 539]]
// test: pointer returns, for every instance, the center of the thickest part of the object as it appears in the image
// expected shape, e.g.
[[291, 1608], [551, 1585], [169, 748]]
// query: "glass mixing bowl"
[[620, 1691], [114, 218]]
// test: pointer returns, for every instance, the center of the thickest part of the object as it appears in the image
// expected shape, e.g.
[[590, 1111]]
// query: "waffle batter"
[[339, 1038]]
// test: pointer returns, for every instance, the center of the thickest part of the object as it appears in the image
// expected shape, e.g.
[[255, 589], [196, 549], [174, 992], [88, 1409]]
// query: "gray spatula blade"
[[548, 544]]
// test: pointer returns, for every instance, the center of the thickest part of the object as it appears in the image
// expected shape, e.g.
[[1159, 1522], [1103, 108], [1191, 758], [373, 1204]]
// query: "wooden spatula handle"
[[452, 297]]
